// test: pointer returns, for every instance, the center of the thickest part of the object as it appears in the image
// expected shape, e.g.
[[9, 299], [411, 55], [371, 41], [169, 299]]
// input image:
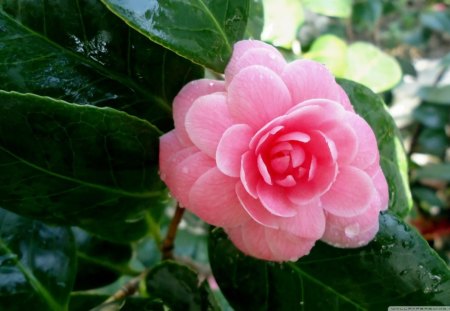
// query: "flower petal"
[[257, 95], [367, 153], [351, 193], [206, 122], [345, 140], [169, 144], [169, 175], [307, 79], [351, 231], [381, 186], [286, 246], [213, 198], [250, 173], [233, 144], [244, 56], [274, 199], [183, 102], [344, 100]]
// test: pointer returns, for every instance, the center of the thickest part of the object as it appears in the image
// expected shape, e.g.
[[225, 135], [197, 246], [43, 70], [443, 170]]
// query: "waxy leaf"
[[80, 52], [392, 155], [396, 268], [178, 287], [203, 31], [37, 264], [74, 164]]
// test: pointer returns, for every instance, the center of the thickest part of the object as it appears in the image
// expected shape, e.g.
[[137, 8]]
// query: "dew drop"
[[404, 272], [211, 83], [352, 231]]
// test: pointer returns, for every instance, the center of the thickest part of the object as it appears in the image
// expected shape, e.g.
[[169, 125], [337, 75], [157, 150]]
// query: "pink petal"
[[257, 95], [351, 231], [286, 246], [321, 147], [186, 174], [207, 120], [244, 47], [382, 189], [255, 209], [263, 170], [249, 173], [345, 140], [169, 144], [169, 175], [351, 193], [233, 144], [183, 102], [368, 149], [274, 199], [344, 100], [213, 198], [309, 222], [307, 79]]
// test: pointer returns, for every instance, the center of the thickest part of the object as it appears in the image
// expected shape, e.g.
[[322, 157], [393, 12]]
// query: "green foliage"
[[397, 268]]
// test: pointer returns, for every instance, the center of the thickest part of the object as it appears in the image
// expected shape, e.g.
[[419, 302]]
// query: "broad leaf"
[[75, 164], [396, 268], [203, 31], [434, 171], [372, 67], [80, 52], [255, 22], [331, 51], [100, 262], [281, 21], [435, 94], [178, 287], [393, 159], [37, 264], [335, 8]]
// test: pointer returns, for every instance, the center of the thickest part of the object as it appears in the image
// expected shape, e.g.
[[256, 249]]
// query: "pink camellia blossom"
[[275, 155]]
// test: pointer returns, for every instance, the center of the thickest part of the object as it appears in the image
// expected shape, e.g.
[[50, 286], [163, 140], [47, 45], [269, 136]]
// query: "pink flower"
[[276, 156]]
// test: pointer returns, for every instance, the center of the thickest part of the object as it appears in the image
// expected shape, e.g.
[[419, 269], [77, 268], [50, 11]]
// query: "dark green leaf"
[[203, 31], [80, 52], [393, 158], [84, 302], [100, 262], [177, 286], [438, 21], [37, 264], [434, 171], [435, 94], [255, 23], [433, 116], [433, 141], [74, 164], [366, 13], [396, 268]]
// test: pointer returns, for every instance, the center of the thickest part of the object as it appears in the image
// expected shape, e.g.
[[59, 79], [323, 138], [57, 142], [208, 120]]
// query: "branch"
[[168, 243]]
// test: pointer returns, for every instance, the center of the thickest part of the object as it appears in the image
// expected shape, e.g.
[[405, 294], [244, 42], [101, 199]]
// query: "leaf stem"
[[168, 243], [128, 289]]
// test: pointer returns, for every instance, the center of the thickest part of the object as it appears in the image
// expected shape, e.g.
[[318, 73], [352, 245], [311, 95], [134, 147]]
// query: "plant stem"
[[168, 243]]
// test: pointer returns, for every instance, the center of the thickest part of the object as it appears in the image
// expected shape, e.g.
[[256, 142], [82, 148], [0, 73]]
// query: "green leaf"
[[37, 264], [331, 51], [255, 22], [393, 159], [434, 171], [397, 268], [433, 141], [203, 31], [372, 67], [281, 21], [100, 262], [335, 8], [92, 302], [435, 94], [80, 52], [438, 21], [75, 164], [177, 286]]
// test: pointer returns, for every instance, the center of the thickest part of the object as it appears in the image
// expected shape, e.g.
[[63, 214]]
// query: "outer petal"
[[169, 144], [344, 100], [308, 80], [233, 144], [257, 95], [183, 102], [351, 194], [382, 188], [351, 231], [246, 47], [345, 140], [213, 198], [286, 246], [186, 174], [206, 122], [169, 176]]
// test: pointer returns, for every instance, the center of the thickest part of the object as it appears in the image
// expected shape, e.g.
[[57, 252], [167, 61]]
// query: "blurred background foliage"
[[399, 49]]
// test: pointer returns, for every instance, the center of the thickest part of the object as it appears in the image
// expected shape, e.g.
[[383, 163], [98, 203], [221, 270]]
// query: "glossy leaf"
[[74, 164], [178, 287], [331, 51], [393, 159], [281, 21], [396, 268], [335, 8], [37, 264], [92, 302], [372, 67], [80, 52], [434, 171], [100, 262], [435, 94], [202, 31]]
